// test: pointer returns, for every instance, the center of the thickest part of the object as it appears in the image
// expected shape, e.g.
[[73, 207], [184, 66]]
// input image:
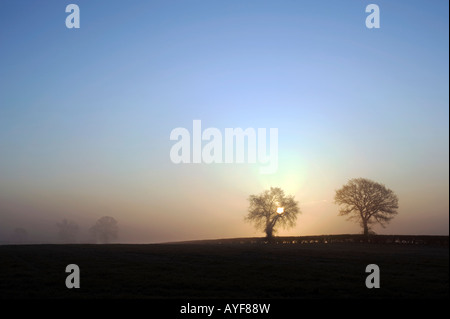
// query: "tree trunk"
[[270, 226], [366, 230], [269, 232]]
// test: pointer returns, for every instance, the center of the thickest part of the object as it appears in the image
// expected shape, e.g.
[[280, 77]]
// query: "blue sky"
[[86, 114]]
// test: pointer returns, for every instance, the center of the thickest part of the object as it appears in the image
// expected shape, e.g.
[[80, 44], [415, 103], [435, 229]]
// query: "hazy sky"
[[86, 114]]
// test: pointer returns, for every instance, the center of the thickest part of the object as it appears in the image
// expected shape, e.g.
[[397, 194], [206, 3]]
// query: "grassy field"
[[224, 271]]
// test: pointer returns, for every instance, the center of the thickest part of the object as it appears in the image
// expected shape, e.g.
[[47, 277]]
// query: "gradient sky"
[[86, 114]]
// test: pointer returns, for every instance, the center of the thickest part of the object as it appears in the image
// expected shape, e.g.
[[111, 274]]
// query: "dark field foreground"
[[225, 271]]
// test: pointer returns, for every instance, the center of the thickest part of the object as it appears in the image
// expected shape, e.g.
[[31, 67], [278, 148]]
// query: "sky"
[[86, 113]]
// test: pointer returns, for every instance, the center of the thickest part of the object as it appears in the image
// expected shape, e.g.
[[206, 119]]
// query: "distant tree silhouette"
[[272, 208], [20, 236], [68, 231], [367, 202], [105, 229]]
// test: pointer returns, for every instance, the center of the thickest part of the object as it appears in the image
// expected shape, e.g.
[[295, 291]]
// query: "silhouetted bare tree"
[[367, 202], [272, 208], [105, 229], [68, 231]]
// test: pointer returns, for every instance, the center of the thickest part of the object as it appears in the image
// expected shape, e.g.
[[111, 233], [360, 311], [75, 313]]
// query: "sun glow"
[[280, 210]]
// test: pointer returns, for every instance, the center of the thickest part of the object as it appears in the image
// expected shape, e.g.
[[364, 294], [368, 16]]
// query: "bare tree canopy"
[[272, 208], [367, 202], [105, 229], [67, 231]]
